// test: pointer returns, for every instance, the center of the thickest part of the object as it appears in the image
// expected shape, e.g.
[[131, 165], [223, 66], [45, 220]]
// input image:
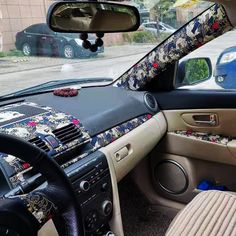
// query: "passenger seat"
[[210, 213]]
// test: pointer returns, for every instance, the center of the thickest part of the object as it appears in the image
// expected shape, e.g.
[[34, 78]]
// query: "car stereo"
[[91, 180]]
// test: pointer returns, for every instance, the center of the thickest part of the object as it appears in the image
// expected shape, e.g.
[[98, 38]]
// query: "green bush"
[[12, 53], [2, 54], [139, 37], [163, 36], [15, 52]]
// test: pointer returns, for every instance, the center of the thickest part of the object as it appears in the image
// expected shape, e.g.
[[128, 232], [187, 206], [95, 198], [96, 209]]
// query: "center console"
[[91, 180]]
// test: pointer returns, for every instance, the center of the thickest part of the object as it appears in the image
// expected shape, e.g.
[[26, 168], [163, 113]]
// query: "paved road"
[[112, 68], [114, 62]]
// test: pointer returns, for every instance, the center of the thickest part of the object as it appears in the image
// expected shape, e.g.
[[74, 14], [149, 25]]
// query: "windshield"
[[32, 54]]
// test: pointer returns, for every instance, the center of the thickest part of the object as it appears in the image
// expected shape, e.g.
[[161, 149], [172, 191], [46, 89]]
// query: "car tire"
[[27, 49], [68, 52]]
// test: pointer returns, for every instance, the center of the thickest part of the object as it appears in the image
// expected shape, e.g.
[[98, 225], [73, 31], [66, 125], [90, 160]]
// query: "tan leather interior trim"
[[192, 148], [48, 229], [185, 146], [232, 147], [226, 119], [139, 143], [142, 177], [116, 221]]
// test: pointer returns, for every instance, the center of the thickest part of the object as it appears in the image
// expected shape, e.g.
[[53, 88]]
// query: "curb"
[[20, 60]]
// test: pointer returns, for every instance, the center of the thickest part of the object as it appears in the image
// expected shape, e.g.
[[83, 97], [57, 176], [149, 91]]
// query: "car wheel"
[[26, 49], [68, 52]]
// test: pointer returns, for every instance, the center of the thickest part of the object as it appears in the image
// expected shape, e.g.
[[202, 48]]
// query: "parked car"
[[40, 39], [163, 27], [225, 73]]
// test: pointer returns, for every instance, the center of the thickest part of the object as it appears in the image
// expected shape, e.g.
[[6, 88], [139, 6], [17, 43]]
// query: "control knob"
[[107, 207], [84, 185]]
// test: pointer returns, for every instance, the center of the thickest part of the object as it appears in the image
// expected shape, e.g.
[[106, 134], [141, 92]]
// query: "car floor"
[[137, 216]]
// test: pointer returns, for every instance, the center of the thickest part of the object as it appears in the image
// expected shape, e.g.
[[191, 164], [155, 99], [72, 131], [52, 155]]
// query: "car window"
[[35, 29], [46, 30], [167, 26], [153, 26], [212, 66]]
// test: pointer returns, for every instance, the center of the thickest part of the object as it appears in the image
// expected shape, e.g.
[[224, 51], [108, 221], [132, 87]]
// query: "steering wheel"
[[25, 214]]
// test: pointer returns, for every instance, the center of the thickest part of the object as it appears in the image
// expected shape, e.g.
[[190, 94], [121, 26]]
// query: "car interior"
[[128, 158]]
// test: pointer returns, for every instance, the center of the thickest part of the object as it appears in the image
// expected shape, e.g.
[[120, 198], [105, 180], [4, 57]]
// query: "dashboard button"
[[104, 187], [52, 141]]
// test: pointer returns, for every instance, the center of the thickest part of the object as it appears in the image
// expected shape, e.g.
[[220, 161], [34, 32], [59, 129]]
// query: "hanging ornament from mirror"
[[87, 44]]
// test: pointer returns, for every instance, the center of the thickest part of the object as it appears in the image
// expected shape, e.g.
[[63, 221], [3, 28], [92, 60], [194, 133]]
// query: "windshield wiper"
[[54, 84]]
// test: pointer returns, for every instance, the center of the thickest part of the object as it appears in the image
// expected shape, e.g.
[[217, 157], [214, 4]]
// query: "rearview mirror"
[[193, 71], [92, 17]]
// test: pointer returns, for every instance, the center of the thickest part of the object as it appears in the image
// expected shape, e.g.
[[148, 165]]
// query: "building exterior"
[[16, 15], [185, 15]]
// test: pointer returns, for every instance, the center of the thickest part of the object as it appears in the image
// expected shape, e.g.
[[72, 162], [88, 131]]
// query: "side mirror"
[[193, 71]]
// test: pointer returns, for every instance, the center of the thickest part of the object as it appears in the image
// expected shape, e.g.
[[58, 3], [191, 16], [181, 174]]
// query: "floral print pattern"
[[213, 138], [110, 136], [42, 126], [16, 168], [39, 206], [209, 25]]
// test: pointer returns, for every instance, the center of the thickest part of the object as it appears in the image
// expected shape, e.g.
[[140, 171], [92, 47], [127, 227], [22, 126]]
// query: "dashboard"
[[84, 134]]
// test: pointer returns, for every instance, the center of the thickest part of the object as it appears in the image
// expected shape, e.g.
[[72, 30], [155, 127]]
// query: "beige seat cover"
[[210, 213]]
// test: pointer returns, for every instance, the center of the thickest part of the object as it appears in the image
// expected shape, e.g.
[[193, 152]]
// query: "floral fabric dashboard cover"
[[29, 120], [204, 28]]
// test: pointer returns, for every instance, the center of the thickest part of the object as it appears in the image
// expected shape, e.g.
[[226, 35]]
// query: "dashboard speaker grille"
[[39, 143], [67, 133]]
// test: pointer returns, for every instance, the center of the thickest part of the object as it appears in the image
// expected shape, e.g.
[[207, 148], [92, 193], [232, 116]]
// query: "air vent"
[[150, 101], [67, 133], [39, 143]]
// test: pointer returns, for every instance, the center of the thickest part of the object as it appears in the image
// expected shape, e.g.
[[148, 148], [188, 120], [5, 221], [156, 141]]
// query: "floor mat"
[[138, 219]]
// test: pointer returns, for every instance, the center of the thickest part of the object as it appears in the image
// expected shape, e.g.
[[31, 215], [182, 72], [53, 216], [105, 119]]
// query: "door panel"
[[168, 175], [181, 120], [191, 151]]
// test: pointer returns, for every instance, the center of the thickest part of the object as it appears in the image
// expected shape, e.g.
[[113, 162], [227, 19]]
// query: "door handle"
[[205, 119], [203, 122], [201, 119]]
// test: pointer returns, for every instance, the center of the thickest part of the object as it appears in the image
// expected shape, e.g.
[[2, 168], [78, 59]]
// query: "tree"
[[161, 10]]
